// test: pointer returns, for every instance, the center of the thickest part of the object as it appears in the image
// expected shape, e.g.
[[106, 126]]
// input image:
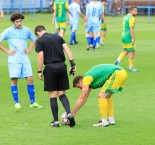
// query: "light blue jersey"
[[74, 18], [94, 11], [17, 40]]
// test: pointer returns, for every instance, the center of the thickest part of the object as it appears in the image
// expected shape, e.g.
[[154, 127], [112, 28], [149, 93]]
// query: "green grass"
[[134, 107]]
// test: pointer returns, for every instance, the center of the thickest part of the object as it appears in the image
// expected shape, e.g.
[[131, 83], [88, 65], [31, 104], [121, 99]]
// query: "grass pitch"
[[134, 107]]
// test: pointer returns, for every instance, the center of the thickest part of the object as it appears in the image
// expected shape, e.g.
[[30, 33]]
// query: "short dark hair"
[[39, 28], [103, 0], [16, 16], [76, 80], [132, 7]]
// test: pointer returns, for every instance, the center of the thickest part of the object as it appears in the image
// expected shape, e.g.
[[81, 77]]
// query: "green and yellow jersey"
[[98, 75], [103, 26], [61, 7], [128, 21], [103, 12]]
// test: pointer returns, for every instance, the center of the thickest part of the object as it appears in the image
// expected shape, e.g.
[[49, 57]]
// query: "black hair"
[[76, 80], [16, 16], [39, 28]]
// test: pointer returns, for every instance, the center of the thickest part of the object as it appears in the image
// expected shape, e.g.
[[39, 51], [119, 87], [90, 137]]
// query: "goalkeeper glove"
[[72, 69]]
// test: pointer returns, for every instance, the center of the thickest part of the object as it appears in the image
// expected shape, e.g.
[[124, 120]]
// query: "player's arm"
[[40, 64], [79, 12], [54, 16], [10, 52], [68, 20], [81, 100], [103, 18], [28, 50], [32, 37], [68, 51], [68, 10], [132, 33], [86, 16], [86, 19], [39, 50], [81, 15], [4, 36], [70, 57], [87, 80], [102, 14], [54, 13]]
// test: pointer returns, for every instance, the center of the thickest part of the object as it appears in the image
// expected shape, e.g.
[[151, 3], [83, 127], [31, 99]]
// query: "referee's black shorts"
[[55, 77]]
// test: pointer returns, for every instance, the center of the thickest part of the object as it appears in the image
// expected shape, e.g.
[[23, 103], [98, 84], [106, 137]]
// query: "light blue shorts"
[[74, 26], [93, 29], [20, 70]]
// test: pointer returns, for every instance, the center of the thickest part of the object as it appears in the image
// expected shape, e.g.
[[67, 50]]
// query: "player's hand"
[[27, 51], [133, 41], [73, 114], [11, 52], [72, 70], [41, 77]]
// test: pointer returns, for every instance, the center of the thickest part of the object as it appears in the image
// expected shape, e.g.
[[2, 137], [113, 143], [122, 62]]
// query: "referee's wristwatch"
[[39, 71]]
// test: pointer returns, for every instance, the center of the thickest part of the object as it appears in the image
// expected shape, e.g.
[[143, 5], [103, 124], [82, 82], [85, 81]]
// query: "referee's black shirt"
[[51, 45]]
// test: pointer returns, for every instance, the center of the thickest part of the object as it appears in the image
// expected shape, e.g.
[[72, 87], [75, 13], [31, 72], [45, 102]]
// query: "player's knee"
[[30, 80]]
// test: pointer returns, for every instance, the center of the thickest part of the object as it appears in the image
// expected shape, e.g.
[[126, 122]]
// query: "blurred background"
[[113, 7]]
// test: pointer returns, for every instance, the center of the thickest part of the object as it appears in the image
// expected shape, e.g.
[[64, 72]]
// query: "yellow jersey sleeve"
[[132, 22], [87, 80], [54, 6], [67, 7]]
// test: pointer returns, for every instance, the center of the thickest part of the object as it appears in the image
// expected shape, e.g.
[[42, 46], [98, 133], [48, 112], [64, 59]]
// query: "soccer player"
[[18, 61], [103, 24], [74, 19], [92, 21], [50, 49], [110, 78], [128, 38], [59, 17]]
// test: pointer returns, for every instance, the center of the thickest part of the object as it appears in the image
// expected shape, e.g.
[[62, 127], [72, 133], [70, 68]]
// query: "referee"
[[50, 49]]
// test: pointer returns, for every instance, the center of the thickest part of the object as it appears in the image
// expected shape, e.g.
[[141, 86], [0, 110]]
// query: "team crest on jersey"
[[24, 33]]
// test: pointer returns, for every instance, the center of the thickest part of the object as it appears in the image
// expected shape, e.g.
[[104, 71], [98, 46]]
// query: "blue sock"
[[94, 42], [88, 40], [72, 37], [98, 39], [91, 39], [31, 91], [14, 90], [75, 38]]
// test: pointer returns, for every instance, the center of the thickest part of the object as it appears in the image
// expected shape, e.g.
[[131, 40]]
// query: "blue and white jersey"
[[75, 9], [94, 11], [17, 40]]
